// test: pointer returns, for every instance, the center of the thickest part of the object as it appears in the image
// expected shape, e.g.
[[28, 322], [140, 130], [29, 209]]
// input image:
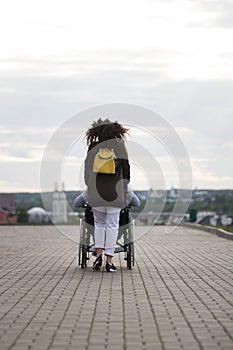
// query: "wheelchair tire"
[[83, 257], [82, 252], [80, 243], [79, 254], [130, 255], [130, 246]]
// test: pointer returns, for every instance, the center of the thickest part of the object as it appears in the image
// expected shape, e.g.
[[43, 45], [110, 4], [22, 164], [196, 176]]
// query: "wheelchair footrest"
[[119, 249]]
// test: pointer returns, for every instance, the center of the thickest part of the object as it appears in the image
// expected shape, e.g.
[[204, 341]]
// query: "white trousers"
[[106, 221]]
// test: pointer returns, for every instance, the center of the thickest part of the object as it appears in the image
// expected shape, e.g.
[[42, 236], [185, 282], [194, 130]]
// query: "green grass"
[[226, 228]]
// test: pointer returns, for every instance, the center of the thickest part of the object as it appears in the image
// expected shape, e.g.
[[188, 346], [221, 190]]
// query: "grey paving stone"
[[179, 295]]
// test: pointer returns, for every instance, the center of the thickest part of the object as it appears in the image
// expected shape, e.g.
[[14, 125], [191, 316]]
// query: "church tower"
[[60, 214]]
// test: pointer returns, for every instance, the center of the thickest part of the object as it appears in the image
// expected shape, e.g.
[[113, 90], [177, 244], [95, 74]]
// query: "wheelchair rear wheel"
[[82, 251], [130, 246]]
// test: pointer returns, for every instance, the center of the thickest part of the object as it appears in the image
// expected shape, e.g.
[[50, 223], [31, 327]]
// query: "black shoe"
[[97, 263], [110, 267]]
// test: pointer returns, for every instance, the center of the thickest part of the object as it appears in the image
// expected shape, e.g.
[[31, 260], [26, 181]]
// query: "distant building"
[[200, 195], [7, 208], [213, 219], [156, 194], [7, 217], [59, 211], [7, 201], [173, 193], [37, 215]]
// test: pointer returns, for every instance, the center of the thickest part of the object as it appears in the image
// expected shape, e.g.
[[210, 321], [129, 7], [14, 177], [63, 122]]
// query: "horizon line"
[[135, 190]]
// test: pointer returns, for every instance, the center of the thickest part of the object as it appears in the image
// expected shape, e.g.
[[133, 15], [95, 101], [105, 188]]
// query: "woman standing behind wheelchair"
[[107, 174]]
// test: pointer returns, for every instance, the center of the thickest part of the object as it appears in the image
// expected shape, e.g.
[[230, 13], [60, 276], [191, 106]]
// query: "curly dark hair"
[[103, 130]]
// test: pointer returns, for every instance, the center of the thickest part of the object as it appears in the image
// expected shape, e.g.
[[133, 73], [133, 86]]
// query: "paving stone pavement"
[[179, 295]]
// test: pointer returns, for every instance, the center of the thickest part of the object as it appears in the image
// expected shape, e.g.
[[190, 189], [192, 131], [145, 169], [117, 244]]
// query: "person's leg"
[[112, 227], [110, 243], [99, 234]]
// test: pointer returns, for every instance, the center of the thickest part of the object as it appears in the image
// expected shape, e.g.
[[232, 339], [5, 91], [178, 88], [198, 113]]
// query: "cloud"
[[214, 13], [171, 56], [201, 112], [208, 178]]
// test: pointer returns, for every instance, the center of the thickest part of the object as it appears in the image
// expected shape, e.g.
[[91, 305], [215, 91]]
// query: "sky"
[[174, 57]]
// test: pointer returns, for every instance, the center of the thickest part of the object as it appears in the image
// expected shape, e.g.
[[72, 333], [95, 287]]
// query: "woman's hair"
[[103, 130]]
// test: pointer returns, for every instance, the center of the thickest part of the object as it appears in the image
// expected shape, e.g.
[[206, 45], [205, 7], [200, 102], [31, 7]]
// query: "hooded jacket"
[[107, 189]]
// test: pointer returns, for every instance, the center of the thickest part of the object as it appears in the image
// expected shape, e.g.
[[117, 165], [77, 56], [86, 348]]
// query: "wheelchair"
[[125, 240]]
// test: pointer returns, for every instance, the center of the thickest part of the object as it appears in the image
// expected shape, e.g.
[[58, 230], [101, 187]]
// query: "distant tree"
[[22, 216]]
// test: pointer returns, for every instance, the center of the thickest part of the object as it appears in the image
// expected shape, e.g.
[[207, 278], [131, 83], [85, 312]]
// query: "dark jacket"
[[105, 189]]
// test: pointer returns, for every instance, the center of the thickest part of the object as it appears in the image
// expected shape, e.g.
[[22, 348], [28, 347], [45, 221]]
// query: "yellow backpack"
[[104, 161]]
